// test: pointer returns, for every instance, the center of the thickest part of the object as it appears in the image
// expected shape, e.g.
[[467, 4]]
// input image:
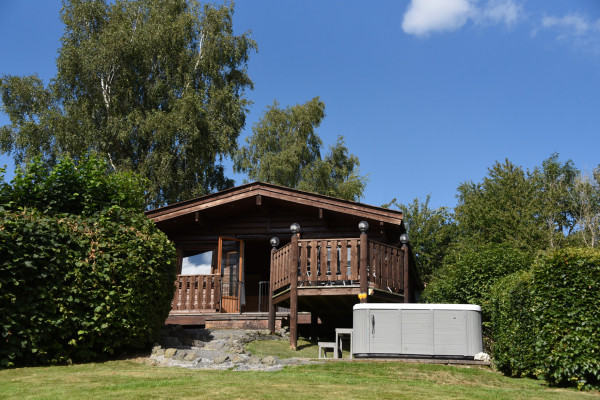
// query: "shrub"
[[512, 323], [468, 274], [566, 303], [77, 286]]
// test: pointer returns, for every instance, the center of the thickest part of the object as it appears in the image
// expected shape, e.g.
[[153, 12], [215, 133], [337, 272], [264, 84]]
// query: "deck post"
[[274, 243], [405, 267], [363, 276], [295, 228]]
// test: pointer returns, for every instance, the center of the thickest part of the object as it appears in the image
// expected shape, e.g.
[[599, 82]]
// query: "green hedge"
[[76, 289], [468, 274], [83, 272], [567, 311], [512, 323], [546, 322]]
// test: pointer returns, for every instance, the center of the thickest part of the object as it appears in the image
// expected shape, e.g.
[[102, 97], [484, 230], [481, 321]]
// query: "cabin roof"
[[259, 190]]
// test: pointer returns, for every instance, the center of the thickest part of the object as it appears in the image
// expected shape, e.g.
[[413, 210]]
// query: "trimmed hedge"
[[77, 286], [547, 322], [468, 274], [567, 311], [512, 323]]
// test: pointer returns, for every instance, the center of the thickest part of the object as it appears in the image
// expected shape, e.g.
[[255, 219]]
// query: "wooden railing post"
[[405, 267], [293, 271], [363, 275], [274, 243]]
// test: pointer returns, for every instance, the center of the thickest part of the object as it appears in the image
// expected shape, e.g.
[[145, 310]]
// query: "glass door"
[[230, 263]]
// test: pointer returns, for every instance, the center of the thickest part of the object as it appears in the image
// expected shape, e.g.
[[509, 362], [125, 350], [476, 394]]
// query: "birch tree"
[[154, 86]]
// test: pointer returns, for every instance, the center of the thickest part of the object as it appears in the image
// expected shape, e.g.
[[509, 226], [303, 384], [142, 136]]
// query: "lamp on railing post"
[[274, 243], [293, 271], [363, 275], [406, 275]]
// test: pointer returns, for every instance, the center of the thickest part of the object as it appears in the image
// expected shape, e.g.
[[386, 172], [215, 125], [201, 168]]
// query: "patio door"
[[231, 269]]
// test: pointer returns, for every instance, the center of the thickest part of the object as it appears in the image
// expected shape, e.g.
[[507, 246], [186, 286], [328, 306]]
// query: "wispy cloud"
[[576, 29], [570, 24], [424, 17], [501, 12]]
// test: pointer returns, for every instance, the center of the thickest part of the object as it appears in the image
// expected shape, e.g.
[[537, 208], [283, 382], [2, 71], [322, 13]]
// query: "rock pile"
[[216, 349]]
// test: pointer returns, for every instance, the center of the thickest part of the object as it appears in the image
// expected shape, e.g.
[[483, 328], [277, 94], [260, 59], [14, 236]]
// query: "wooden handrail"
[[196, 293], [336, 262]]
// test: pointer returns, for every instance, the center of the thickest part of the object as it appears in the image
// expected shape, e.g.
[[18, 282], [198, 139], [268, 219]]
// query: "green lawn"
[[331, 380]]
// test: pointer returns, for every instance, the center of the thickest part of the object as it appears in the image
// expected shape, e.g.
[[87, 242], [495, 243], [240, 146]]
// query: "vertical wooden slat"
[[335, 259], [205, 283], [303, 261], [217, 293], [324, 276], [343, 260], [354, 261], [314, 254]]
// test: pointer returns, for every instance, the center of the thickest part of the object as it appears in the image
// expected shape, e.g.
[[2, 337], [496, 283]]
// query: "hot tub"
[[416, 330]]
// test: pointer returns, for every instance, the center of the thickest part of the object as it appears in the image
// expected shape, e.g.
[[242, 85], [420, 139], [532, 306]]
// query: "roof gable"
[[267, 190]]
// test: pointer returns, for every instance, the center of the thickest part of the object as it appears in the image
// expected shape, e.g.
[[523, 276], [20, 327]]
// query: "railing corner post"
[[274, 243], [364, 249], [293, 271]]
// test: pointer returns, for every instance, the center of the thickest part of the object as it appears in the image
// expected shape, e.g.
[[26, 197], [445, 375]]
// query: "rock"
[[482, 357], [197, 343], [254, 360], [290, 361], [221, 358], [179, 355], [270, 360], [239, 358], [158, 351], [170, 352], [190, 356], [214, 345]]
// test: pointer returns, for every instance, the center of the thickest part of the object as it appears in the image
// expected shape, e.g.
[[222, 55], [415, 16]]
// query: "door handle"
[[372, 325]]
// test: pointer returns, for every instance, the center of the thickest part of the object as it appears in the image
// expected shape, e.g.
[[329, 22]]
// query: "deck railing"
[[196, 293], [331, 262]]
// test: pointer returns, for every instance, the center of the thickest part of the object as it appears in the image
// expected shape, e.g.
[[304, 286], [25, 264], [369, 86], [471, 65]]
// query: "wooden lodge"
[[240, 264]]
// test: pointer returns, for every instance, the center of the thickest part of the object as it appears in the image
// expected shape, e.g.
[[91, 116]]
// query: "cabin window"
[[197, 262]]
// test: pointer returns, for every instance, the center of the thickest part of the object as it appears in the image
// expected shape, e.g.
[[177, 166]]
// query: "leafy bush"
[[546, 321], [76, 286], [468, 274], [512, 324], [566, 302]]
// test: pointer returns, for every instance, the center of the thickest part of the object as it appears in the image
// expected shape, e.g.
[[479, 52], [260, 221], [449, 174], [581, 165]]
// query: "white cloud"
[[423, 17], [570, 24], [502, 11], [575, 29]]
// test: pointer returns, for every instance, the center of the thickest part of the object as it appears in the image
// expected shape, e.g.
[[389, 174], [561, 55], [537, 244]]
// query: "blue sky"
[[427, 93]]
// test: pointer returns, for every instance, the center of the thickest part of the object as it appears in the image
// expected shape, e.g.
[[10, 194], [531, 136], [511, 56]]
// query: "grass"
[[129, 379]]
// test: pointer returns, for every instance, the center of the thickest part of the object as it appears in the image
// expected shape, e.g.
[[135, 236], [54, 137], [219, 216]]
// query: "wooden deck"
[[328, 276]]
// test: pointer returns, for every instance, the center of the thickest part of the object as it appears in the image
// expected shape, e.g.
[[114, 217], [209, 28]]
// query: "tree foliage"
[[500, 209], [284, 149], [155, 86], [83, 272], [469, 273], [432, 232]]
